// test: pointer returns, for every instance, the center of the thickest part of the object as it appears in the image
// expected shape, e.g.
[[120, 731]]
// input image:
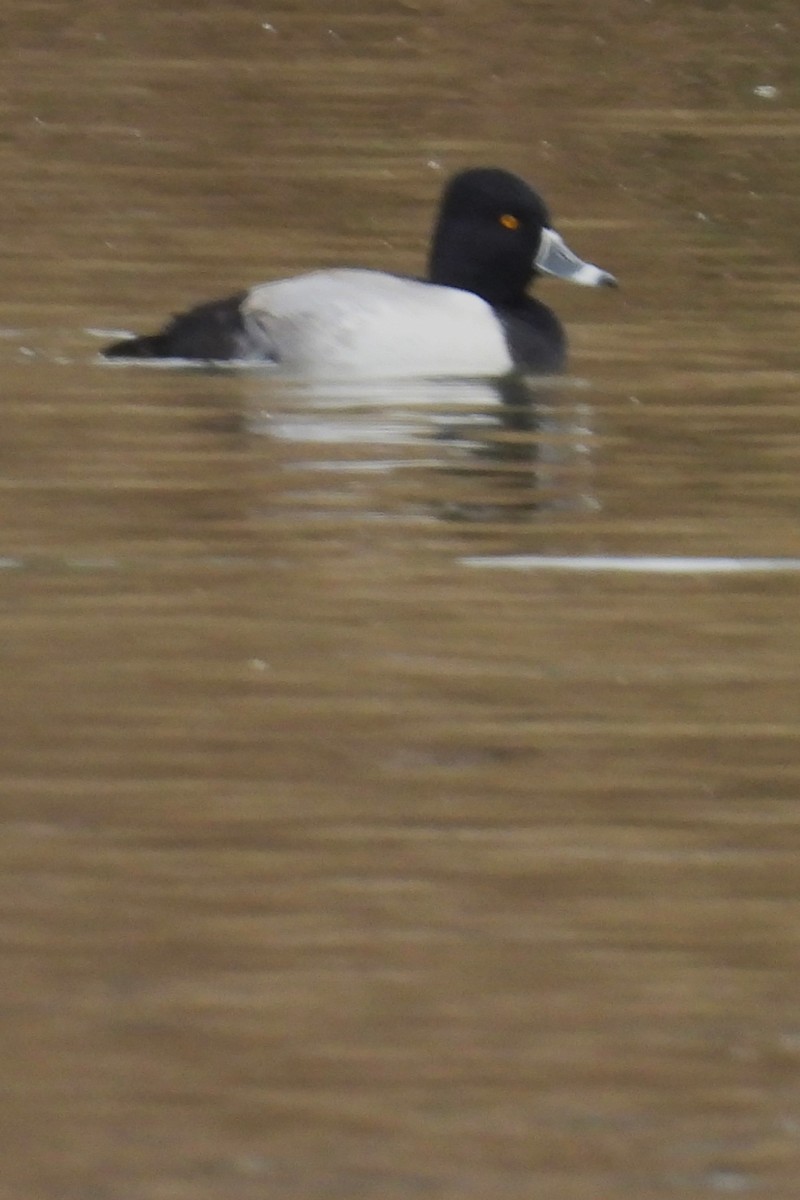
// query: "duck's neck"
[[461, 257]]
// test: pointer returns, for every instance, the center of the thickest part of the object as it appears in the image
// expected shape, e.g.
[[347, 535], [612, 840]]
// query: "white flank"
[[373, 325]]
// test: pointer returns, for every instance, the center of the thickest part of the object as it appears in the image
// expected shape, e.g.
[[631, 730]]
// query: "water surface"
[[334, 863]]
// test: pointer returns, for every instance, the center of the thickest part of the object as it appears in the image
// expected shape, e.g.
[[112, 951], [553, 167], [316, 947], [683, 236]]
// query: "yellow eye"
[[510, 221]]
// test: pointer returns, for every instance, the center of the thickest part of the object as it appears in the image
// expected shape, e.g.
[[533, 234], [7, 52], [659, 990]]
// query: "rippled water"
[[400, 783]]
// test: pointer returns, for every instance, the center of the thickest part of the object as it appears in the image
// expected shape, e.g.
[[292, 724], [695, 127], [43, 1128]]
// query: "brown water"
[[334, 865]]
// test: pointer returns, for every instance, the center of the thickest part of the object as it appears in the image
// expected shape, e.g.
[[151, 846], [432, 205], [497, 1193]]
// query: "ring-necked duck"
[[472, 316]]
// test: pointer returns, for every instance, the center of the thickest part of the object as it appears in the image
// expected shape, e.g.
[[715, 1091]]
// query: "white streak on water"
[[647, 564]]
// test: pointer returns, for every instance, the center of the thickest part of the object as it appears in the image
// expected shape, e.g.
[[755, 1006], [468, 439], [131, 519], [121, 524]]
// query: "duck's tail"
[[149, 346], [210, 331]]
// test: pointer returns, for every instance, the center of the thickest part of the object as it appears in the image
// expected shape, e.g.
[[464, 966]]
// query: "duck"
[[471, 315]]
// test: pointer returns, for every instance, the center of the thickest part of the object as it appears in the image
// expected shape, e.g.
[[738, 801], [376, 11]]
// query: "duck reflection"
[[531, 451], [459, 450]]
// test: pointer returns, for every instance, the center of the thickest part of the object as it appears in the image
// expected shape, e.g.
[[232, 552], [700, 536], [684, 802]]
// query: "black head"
[[487, 235]]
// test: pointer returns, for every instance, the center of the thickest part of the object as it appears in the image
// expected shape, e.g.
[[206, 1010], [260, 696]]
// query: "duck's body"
[[472, 316]]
